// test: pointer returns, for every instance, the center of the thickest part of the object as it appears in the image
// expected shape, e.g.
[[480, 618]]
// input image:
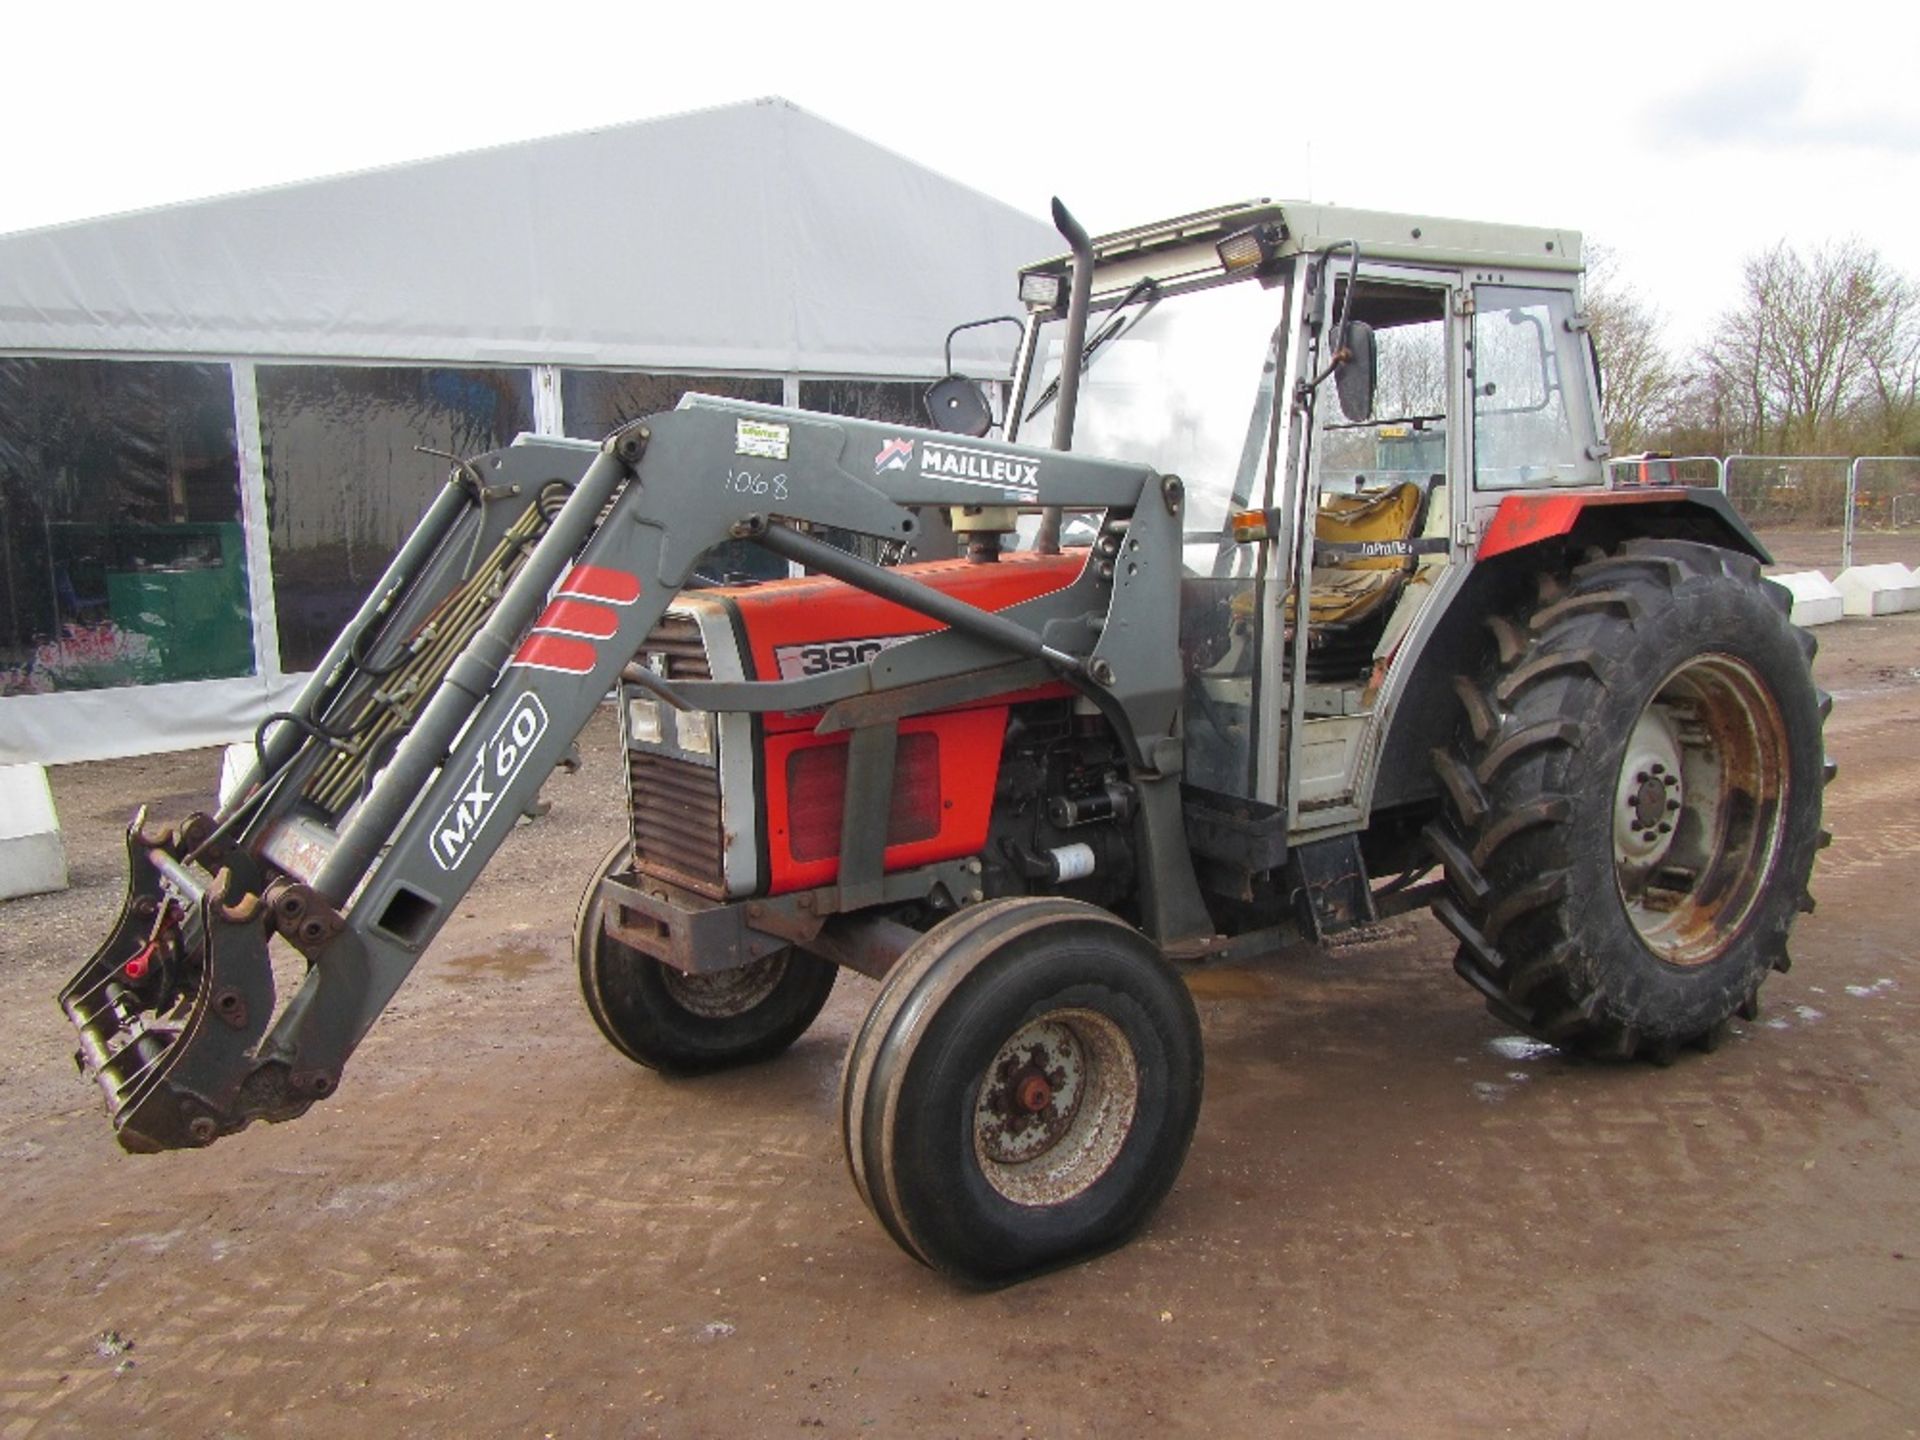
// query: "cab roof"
[[1183, 246]]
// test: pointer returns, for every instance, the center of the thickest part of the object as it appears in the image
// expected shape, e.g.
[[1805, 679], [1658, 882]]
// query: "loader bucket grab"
[[170, 1008]]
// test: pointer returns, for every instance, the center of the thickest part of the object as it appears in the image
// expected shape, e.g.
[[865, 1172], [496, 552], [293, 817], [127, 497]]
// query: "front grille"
[[677, 637], [675, 803]]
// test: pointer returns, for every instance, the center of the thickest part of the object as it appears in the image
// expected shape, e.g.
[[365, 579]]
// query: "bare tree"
[[1822, 349], [1412, 370], [1640, 383]]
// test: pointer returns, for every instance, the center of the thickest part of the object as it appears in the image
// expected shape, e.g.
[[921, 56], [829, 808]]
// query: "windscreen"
[[1185, 383], [1175, 382]]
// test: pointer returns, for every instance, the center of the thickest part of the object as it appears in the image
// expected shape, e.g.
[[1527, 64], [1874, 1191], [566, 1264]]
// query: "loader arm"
[[377, 800]]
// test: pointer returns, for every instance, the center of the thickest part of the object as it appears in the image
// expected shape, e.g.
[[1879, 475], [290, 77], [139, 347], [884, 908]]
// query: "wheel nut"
[[1665, 828]]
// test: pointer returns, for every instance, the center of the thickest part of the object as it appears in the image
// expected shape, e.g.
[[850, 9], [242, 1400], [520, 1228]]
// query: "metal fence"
[[1630, 471], [1883, 498], [1797, 492], [1813, 511]]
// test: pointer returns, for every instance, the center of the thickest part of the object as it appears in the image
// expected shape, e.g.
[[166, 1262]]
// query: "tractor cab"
[[1346, 397]]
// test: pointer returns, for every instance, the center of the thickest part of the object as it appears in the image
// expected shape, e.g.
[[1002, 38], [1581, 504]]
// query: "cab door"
[[1375, 533]]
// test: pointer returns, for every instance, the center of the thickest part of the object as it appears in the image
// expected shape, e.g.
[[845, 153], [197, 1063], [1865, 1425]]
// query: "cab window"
[[1531, 421]]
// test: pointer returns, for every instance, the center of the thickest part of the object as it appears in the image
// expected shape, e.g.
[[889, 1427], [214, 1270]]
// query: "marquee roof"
[[753, 237]]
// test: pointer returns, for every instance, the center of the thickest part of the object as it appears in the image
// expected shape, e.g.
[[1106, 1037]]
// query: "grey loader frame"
[[363, 891]]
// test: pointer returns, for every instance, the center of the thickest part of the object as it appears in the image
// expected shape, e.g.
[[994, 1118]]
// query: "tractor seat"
[[1352, 590]]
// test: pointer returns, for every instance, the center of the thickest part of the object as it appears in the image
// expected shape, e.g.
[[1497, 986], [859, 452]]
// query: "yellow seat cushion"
[[1350, 589], [1354, 519]]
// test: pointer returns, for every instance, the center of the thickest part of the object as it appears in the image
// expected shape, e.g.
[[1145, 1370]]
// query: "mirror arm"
[[1341, 354], [1012, 320]]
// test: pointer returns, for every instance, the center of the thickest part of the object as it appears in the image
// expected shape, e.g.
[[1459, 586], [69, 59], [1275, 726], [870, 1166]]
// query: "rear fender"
[[1703, 514], [1527, 533]]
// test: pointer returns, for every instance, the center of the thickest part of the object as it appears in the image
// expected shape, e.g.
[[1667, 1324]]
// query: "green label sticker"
[[760, 439]]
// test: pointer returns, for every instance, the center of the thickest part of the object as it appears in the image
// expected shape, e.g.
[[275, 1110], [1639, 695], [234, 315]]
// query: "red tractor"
[[1312, 606]]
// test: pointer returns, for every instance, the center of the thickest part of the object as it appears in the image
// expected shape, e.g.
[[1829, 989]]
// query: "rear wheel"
[[1023, 1090], [668, 1020], [1634, 802]]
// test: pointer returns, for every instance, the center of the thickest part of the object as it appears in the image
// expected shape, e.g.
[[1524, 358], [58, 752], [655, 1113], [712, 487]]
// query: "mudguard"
[[1524, 520]]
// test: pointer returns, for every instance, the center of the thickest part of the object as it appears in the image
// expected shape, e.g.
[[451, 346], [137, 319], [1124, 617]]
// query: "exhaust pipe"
[[1047, 542]]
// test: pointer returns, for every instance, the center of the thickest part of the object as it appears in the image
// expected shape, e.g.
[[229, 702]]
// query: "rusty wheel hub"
[[1035, 1093], [725, 993], [1055, 1106]]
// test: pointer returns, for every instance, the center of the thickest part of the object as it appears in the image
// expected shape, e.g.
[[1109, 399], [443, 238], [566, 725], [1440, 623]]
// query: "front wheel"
[[669, 1020], [1634, 801], [1023, 1090]]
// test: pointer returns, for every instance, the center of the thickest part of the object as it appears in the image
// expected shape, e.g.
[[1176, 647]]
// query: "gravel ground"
[[1397, 1218]]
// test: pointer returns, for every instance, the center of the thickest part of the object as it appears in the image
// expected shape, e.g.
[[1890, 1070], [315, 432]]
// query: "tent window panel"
[[345, 484], [887, 401], [122, 557], [597, 402]]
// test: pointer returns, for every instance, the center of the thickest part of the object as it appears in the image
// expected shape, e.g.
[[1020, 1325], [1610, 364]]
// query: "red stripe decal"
[[591, 582], [579, 617], [555, 652]]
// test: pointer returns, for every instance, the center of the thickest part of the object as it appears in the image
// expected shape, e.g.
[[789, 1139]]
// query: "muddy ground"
[[1398, 1218], [1824, 549]]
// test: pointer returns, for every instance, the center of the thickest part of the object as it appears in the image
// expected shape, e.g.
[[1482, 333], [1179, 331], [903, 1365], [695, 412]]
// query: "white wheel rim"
[[1055, 1107], [725, 993]]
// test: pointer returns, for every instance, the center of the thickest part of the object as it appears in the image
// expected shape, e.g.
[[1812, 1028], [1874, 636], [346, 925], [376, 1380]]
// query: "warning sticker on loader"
[[761, 439], [494, 766]]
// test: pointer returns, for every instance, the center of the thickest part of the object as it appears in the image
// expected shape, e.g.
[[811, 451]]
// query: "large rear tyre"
[[1023, 1090], [668, 1020], [1634, 801]]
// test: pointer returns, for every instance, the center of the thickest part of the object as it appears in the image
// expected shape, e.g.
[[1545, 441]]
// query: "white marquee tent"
[[207, 411]]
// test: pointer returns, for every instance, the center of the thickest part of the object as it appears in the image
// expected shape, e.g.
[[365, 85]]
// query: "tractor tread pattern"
[[1490, 782]]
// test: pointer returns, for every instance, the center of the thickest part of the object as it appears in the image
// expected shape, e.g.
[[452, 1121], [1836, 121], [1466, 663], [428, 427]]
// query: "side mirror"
[[1356, 376], [959, 406]]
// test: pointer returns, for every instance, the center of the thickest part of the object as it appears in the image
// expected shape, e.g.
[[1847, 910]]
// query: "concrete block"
[[1816, 599], [1888, 589], [32, 860]]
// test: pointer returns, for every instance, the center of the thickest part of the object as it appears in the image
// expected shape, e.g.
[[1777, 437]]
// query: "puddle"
[[1229, 983], [1878, 987], [1519, 1047], [510, 962]]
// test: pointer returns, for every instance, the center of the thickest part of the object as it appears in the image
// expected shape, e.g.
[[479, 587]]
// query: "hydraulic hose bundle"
[[383, 716]]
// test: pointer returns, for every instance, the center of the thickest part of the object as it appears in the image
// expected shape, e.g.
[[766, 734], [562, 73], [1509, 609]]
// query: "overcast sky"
[[1684, 135]]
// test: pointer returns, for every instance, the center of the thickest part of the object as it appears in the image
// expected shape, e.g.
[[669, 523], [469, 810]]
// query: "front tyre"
[[1023, 1091], [1634, 801], [668, 1020]]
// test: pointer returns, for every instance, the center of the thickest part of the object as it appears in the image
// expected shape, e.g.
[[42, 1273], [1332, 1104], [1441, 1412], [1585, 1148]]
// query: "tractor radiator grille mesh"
[[675, 803]]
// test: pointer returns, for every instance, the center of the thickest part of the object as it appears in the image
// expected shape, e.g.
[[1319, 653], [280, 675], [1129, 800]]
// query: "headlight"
[[694, 730], [643, 721]]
